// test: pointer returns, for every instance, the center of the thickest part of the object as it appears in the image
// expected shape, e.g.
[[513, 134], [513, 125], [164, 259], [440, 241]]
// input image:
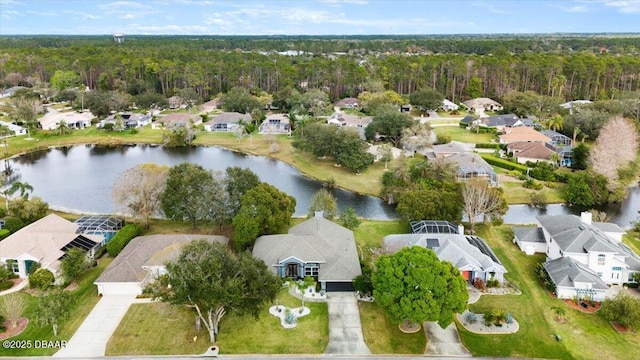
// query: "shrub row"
[[122, 238], [501, 163], [490, 146]]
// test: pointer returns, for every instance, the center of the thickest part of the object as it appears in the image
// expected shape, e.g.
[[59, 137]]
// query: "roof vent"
[[586, 217]]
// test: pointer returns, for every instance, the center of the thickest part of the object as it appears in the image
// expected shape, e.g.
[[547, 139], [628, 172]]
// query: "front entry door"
[[292, 271]]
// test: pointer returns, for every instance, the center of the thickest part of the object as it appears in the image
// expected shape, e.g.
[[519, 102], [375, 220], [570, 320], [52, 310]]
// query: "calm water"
[[80, 179]]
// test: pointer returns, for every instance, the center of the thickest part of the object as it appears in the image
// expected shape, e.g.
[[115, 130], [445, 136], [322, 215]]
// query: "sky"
[[316, 17]]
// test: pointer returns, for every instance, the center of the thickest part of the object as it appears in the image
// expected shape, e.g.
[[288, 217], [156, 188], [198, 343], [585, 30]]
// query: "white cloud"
[[493, 7], [571, 9], [170, 29], [623, 6], [128, 10], [9, 14], [338, 2]]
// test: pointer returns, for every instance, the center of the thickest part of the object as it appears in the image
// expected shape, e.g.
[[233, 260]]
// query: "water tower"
[[119, 38]]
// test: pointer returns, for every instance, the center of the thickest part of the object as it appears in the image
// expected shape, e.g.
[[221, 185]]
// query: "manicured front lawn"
[[459, 134], [86, 298], [160, 329], [383, 337], [584, 336]]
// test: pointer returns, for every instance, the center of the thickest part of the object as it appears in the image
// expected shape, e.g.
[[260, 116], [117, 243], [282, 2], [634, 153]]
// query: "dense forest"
[[460, 67]]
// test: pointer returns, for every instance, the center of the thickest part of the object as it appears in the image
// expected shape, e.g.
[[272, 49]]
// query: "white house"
[[74, 120], [14, 130], [593, 245], [448, 105], [45, 241]]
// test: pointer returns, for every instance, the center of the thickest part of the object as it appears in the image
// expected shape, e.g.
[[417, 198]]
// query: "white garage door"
[[119, 288]]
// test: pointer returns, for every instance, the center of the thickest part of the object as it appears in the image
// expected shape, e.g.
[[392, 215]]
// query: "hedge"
[[122, 238], [502, 163], [488, 146], [4, 233]]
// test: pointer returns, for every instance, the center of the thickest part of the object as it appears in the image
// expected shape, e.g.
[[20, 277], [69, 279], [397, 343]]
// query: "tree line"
[[140, 67]]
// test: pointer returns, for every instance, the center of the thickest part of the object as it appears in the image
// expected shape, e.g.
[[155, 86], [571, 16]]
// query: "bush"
[[41, 279], [5, 285], [13, 224], [539, 200], [515, 173], [479, 284], [122, 238], [488, 146], [470, 318], [4, 233], [501, 163], [532, 184], [443, 139], [544, 277], [543, 171]]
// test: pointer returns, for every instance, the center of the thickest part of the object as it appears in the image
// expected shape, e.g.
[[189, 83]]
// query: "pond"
[[80, 179]]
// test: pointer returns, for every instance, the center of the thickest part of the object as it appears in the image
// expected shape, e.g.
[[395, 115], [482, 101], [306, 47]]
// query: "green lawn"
[[173, 332], [383, 337], [515, 193], [86, 298], [532, 310], [459, 134], [370, 233]]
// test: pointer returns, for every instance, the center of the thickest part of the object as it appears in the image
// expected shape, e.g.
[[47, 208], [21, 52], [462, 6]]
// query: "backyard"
[[459, 134]]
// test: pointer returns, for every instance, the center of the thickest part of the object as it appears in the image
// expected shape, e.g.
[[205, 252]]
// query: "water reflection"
[[81, 177]]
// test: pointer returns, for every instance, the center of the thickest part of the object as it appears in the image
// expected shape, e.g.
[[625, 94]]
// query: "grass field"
[[463, 135], [173, 332], [86, 298], [515, 193]]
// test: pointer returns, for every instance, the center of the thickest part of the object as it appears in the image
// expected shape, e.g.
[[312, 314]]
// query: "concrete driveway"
[[90, 340], [345, 330], [444, 342]]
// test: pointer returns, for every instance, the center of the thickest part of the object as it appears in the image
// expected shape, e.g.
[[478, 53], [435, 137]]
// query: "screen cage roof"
[[98, 223]]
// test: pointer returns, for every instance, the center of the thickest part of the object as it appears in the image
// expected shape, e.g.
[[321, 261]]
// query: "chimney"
[[461, 229], [319, 213], [586, 217]]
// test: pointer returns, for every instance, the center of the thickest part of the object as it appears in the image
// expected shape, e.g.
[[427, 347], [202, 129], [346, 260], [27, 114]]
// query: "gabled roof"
[[448, 148], [573, 235], [529, 234], [523, 133], [501, 120], [350, 120], [480, 102], [45, 240], [469, 162], [10, 91], [51, 119], [566, 272], [467, 119], [468, 252], [347, 101], [231, 118], [179, 118], [314, 240], [531, 150], [153, 250]]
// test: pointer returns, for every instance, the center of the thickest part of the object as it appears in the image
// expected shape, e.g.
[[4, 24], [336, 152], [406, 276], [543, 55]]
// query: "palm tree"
[[576, 131], [24, 187], [555, 157], [63, 128], [555, 122]]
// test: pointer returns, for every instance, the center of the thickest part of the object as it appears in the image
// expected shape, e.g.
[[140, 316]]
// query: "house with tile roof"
[[480, 105], [276, 124], [72, 119], [522, 133], [596, 246], [47, 242], [143, 260], [530, 239], [177, 120], [348, 103], [533, 151], [448, 105], [470, 254], [316, 247]]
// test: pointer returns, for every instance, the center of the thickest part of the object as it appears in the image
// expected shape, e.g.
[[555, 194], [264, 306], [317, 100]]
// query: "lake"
[[80, 178]]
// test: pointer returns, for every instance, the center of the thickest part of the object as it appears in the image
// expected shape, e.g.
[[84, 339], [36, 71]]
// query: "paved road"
[[345, 329], [90, 340]]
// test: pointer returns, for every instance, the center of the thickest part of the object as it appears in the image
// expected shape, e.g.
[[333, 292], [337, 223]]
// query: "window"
[[616, 268], [311, 269], [601, 258], [631, 277], [15, 267]]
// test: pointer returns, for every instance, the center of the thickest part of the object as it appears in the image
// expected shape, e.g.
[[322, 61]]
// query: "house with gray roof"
[[471, 165], [470, 254], [10, 91], [557, 139], [276, 124], [530, 239], [348, 103], [227, 121], [574, 279], [143, 260], [480, 105], [597, 246], [316, 247]]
